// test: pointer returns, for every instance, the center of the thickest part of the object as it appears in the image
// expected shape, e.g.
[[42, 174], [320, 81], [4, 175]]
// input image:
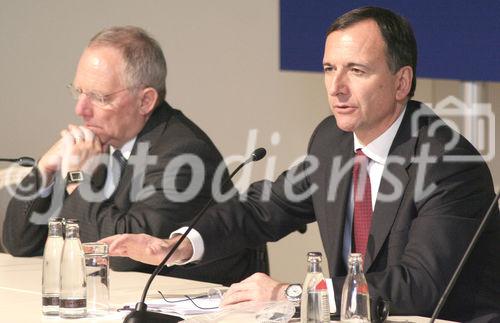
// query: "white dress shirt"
[[126, 150], [377, 151]]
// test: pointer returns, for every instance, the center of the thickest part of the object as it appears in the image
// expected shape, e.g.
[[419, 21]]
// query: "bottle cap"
[[314, 256]]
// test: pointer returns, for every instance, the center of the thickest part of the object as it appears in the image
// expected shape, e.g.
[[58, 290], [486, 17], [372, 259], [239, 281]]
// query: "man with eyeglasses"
[[128, 166]]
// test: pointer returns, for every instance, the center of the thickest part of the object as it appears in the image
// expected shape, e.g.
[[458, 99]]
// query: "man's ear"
[[149, 96], [404, 78]]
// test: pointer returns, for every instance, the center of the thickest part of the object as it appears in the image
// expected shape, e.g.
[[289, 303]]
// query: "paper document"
[[183, 306]]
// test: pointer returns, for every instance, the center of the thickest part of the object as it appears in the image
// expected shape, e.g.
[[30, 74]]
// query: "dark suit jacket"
[[416, 239], [169, 134]]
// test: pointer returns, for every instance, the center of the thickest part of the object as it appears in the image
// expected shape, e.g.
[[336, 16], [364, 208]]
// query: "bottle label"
[[73, 303], [50, 301], [321, 286], [363, 288]]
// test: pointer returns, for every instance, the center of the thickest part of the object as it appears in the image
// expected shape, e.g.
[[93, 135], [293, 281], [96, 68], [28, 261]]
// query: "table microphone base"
[[141, 315]]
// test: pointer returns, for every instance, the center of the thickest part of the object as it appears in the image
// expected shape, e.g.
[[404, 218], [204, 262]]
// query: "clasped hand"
[[76, 150]]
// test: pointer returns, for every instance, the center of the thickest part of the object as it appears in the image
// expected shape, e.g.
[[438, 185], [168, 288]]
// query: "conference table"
[[20, 292]]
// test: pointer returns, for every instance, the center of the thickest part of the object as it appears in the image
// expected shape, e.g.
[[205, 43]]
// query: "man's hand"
[[80, 147], [74, 151], [79, 152], [50, 162], [258, 287], [148, 249]]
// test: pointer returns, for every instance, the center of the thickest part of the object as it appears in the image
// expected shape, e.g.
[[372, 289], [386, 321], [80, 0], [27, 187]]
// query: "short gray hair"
[[144, 60]]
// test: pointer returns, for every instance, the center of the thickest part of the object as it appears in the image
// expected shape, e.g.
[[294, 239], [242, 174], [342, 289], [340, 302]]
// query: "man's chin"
[[345, 126], [102, 138]]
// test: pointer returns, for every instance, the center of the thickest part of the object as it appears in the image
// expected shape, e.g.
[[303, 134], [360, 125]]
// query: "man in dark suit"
[[160, 173], [383, 177]]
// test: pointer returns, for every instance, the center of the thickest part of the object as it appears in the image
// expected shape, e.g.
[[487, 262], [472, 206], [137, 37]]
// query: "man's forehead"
[[100, 66], [105, 56], [93, 60], [358, 38], [360, 31]]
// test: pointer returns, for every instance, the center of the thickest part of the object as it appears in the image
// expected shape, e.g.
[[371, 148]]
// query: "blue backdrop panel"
[[456, 39]]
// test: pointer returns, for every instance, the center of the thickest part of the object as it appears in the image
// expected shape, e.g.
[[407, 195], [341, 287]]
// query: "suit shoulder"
[[429, 128], [180, 135], [182, 126], [327, 126], [326, 131]]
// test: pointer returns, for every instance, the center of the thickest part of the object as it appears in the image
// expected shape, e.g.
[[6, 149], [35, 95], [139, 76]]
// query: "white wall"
[[223, 72]]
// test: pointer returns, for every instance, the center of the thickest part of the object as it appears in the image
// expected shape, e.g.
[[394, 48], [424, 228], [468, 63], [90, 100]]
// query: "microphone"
[[21, 161], [140, 313], [257, 154], [449, 287]]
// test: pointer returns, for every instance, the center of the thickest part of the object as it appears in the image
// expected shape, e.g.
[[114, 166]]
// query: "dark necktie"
[[120, 161], [362, 202]]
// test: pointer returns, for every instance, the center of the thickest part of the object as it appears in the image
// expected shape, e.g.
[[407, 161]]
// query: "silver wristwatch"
[[74, 177], [293, 293]]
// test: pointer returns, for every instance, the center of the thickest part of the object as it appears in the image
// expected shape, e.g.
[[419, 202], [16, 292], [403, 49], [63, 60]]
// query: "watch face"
[[294, 290], [75, 176]]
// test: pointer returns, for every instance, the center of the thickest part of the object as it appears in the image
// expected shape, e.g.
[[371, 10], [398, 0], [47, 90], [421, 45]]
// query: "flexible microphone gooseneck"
[[449, 287], [21, 161], [140, 313]]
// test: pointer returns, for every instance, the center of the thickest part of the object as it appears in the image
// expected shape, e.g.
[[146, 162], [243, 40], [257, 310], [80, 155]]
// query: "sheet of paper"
[[183, 306]]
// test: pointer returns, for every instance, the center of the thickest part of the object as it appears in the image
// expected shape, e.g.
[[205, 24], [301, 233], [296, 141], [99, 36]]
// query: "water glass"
[[97, 272]]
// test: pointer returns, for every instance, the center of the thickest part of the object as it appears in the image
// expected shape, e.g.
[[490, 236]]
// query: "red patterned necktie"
[[362, 202]]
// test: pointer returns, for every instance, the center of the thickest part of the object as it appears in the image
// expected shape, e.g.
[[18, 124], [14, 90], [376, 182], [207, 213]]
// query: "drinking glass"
[[97, 272]]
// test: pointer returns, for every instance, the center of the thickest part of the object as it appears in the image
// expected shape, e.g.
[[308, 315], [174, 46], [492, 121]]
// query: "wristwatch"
[[74, 177], [293, 293]]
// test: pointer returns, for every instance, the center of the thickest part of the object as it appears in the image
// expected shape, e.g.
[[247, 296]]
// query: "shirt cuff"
[[196, 241]]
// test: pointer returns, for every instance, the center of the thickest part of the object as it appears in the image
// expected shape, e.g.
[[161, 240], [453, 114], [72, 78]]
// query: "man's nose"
[[338, 84], [83, 106]]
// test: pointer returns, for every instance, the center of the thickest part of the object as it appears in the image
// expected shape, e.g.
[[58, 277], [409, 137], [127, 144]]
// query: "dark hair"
[[144, 59], [397, 33]]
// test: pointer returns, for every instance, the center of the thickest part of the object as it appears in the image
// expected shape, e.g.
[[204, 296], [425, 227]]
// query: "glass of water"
[[97, 272]]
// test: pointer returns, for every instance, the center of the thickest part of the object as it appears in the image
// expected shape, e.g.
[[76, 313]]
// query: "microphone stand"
[[140, 313], [449, 287]]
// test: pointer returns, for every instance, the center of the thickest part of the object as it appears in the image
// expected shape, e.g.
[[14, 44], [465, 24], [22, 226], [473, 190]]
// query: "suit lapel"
[[336, 205], [385, 212], [394, 182], [155, 126], [99, 177], [150, 134]]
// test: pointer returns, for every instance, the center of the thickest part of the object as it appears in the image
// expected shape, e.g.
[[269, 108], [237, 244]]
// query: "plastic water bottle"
[[51, 266], [355, 305], [73, 297], [314, 301]]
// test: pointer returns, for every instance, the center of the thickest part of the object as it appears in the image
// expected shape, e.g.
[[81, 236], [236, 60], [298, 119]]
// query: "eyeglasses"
[[98, 99]]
